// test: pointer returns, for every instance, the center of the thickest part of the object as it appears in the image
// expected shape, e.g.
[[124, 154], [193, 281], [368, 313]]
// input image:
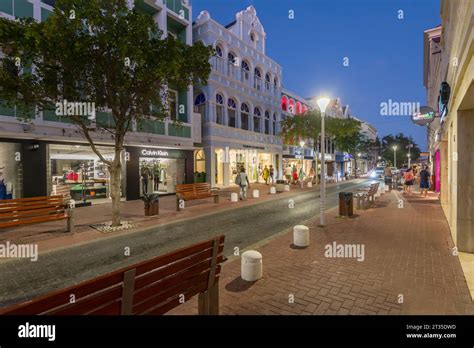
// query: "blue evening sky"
[[385, 53]]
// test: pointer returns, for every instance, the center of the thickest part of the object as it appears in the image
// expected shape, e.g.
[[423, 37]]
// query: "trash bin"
[[346, 206]]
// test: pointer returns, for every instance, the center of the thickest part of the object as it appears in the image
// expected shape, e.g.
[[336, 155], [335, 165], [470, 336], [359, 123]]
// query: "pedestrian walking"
[[272, 173], [288, 172], [243, 181], [409, 179], [425, 177], [311, 174], [388, 176], [266, 174], [295, 175]]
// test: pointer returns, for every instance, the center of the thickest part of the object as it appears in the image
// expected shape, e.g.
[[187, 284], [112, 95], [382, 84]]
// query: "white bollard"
[[234, 197], [273, 190], [256, 193], [310, 184], [301, 236], [287, 188], [251, 266]]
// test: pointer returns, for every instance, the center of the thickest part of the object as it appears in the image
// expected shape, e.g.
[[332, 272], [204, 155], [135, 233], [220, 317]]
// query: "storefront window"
[[160, 175], [11, 171], [253, 161], [77, 171]]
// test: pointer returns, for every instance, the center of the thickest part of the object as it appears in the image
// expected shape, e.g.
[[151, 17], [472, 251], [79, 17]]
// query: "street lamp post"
[[323, 103], [302, 161], [409, 160], [395, 156]]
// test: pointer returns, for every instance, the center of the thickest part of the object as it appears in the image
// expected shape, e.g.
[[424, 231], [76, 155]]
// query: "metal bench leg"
[[177, 204]]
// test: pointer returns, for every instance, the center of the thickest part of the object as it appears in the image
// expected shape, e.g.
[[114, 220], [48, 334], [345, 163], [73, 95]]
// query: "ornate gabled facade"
[[240, 105]]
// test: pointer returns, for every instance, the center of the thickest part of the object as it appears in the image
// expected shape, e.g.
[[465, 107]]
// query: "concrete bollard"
[[234, 197], [310, 184], [287, 188], [301, 236], [256, 193], [251, 266], [273, 190]]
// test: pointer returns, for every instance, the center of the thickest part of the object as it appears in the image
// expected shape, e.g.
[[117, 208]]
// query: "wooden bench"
[[35, 210], [152, 287], [189, 192], [366, 196]]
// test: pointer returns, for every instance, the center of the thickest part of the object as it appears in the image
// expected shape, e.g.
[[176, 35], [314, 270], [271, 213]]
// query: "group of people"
[[412, 174], [409, 177], [294, 176], [268, 174]]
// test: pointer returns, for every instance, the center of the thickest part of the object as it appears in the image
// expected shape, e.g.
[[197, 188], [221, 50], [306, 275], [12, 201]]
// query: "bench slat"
[[47, 218]]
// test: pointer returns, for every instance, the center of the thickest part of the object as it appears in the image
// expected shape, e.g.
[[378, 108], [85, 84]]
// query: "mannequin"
[[145, 173]]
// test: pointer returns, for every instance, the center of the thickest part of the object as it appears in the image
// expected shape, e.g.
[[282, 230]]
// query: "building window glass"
[[274, 124], [267, 122], [219, 109], [257, 115], [11, 171], [267, 82], [232, 112], [257, 79], [173, 104], [232, 65], [244, 116], [284, 103], [245, 71], [200, 105], [219, 60]]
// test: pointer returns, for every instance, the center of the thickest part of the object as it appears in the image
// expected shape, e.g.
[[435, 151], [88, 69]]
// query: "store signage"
[[444, 95], [253, 147], [424, 116], [154, 153]]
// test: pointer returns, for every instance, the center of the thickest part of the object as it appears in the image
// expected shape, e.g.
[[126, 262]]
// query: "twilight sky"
[[385, 53]]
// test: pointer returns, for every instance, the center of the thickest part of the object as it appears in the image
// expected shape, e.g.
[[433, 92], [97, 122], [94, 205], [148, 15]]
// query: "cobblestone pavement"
[[244, 226], [408, 257]]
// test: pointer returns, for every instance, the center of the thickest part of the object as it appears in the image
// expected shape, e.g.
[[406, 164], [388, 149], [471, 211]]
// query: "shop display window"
[[160, 175], [11, 171]]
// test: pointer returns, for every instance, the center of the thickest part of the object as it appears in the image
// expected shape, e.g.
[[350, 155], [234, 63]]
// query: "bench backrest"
[[197, 188], [373, 188], [150, 287], [35, 209]]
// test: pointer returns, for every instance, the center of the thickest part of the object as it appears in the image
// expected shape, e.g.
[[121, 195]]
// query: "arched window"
[[298, 108], [219, 59], [268, 82], [232, 65], [244, 116], [291, 108], [200, 105], [219, 109], [257, 116], [245, 71], [267, 122], [275, 85], [232, 112], [257, 79], [274, 124], [284, 103]]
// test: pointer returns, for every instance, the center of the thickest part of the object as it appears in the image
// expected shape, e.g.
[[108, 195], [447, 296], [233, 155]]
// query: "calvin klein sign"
[[154, 153]]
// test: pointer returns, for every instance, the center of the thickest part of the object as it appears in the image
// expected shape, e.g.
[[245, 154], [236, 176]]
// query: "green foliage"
[[402, 142], [81, 54], [301, 127]]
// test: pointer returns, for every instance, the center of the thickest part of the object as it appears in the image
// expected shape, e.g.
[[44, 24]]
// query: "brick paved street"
[[407, 252]]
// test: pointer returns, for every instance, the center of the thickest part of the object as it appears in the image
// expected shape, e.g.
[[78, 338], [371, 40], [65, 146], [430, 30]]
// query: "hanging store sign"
[[424, 116]]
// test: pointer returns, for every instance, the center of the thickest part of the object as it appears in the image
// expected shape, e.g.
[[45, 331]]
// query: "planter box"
[[152, 209]]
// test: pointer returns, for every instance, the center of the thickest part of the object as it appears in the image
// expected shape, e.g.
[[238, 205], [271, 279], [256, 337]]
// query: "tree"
[[303, 127], [402, 143], [99, 52], [347, 137]]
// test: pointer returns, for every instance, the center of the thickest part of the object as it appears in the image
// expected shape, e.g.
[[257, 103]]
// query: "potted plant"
[[152, 206]]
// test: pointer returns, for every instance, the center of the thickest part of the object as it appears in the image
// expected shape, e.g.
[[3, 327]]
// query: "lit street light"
[[323, 104], [395, 156]]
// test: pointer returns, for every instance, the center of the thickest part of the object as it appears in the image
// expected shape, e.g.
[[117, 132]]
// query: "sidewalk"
[[408, 256], [53, 235]]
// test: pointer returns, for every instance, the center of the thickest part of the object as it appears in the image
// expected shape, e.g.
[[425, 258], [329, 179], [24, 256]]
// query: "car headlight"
[[373, 174]]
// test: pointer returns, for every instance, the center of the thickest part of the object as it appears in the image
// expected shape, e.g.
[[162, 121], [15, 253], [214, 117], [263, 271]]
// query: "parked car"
[[395, 171]]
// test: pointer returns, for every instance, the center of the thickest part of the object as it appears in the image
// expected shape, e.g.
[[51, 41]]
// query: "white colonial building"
[[240, 105]]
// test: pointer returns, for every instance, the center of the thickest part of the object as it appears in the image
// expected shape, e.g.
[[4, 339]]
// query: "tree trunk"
[[355, 161], [116, 181]]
